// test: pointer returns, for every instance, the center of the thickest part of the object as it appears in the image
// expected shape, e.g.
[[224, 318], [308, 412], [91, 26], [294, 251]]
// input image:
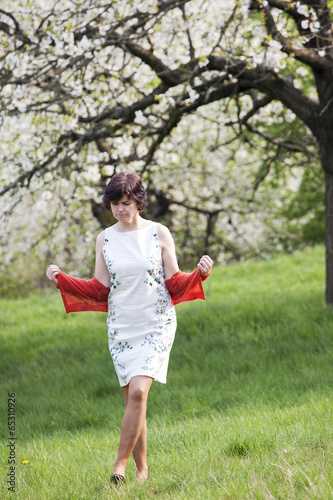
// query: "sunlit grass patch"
[[246, 413]]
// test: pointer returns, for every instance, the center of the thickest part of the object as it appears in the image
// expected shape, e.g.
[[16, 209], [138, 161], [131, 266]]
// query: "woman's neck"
[[134, 225]]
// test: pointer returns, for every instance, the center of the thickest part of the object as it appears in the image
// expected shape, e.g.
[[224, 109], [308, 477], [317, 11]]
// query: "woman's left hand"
[[205, 265]]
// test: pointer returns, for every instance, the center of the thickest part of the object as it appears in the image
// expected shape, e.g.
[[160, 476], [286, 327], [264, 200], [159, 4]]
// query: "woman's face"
[[124, 210]]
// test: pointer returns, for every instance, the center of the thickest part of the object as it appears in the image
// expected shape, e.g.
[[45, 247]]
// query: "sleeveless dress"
[[141, 318]]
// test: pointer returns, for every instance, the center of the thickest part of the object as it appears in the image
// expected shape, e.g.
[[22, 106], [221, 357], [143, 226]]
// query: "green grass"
[[246, 413]]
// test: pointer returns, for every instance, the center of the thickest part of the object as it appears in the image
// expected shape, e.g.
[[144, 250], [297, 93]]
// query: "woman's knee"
[[138, 394], [138, 390]]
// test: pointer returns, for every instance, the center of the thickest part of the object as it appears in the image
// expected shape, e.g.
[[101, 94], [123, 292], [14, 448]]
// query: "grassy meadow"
[[246, 413]]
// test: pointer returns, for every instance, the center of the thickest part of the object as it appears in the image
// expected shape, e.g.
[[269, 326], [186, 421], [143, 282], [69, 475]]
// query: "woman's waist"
[[141, 314]]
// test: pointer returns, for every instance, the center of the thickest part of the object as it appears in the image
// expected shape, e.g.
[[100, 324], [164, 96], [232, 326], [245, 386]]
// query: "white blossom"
[[139, 116], [302, 71], [289, 116], [47, 195], [193, 95], [188, 163], [203, 63], [275, 44], [302, 9]]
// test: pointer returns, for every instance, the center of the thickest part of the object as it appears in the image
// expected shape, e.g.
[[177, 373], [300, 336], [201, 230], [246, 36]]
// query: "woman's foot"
[[142, 476], [117, 479]]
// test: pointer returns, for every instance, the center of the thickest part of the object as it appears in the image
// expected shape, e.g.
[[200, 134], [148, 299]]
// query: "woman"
[[137, 273]]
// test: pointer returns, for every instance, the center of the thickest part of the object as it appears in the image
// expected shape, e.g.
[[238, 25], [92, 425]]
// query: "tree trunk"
[[326, 155], [211, 223], [329, 237]]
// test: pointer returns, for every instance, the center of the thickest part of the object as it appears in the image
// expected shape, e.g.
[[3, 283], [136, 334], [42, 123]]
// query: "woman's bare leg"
[[140, 449], [140, 454], [133, 425]]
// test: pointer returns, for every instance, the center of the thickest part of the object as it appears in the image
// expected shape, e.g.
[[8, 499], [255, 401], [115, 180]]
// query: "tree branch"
[[263, 173], [17, 31], [171, 78], [27, 176], [270, 83], [290, 145], [301, 53], [170, 201], [188, 33], [173, 121]]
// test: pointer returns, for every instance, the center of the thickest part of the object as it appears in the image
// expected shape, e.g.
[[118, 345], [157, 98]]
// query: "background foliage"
[[90, 88]]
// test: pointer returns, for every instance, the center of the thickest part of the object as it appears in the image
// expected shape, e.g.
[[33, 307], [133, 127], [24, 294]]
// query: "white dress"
[[141, 319]]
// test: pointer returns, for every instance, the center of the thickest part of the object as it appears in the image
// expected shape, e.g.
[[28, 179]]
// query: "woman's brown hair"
[[125, 183]]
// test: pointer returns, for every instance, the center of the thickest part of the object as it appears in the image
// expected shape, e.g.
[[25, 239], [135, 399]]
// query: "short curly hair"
[[125, 183]]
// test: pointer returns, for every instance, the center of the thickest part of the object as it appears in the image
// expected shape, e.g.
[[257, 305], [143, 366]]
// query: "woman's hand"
[[205, 265], [52, 272]]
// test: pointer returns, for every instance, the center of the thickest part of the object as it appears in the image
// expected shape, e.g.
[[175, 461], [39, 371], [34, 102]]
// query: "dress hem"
[[155, 379]]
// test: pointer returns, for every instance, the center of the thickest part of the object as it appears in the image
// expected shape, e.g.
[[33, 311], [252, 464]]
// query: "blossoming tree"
[[89, 86]]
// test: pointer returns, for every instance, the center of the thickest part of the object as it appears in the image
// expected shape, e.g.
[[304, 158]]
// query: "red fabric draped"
[[184, 287], [91, 295], [83, 295]]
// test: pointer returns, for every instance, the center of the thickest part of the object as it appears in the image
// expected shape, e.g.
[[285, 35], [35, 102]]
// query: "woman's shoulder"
[[162, 230], [163, 234], [100, 238], [102, 235]]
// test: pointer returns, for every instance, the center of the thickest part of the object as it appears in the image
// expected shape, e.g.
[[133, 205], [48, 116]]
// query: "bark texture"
[[329, 238]]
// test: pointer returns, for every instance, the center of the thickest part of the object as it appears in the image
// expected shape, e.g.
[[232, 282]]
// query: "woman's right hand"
[[52, 272]]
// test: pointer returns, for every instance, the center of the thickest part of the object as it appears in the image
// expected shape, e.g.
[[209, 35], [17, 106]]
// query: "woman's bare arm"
[[101, 271], [168, 251], [169, 254]]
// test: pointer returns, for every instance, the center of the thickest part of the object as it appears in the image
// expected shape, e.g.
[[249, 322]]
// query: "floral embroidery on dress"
[[121, 367], [116, 351], [156, 274], [113, 276], [153, 277], [114, 283], [113, 334], [141, 320], [112, 311], [107, 259], [160, 342], [153, 364], [148, 361]]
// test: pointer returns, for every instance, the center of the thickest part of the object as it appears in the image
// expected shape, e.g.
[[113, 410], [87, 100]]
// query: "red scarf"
[[184, 287], [91, 295]]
